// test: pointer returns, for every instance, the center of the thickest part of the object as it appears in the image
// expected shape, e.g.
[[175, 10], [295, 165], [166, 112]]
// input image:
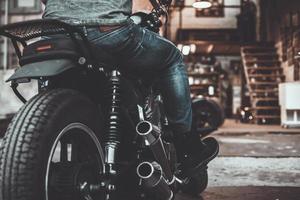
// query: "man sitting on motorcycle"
[[144, 52]]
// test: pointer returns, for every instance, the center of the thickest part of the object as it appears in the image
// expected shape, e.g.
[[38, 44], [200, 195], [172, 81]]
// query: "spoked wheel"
[[75, 162], [52, 149]]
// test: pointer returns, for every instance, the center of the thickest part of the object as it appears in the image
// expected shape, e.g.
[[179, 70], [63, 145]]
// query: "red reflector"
[[44, 48]]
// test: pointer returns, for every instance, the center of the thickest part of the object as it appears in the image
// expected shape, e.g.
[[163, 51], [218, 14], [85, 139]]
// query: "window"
[[25, 6], [2, 6], [217, 10]]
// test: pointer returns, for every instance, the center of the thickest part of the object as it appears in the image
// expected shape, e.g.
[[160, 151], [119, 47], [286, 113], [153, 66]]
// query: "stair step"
[[267, 54], [266, 75], [265, 68], [264, 90], [259, 50], [267, 117], [256, 95], [249, 57], [260, 61], [266, 108], [260, 96], [266, 48], [262, 44], [265, 99], [246, 52], [264, 83]]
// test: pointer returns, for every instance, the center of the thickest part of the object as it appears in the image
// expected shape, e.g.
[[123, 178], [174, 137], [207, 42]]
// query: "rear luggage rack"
[[22, 32]]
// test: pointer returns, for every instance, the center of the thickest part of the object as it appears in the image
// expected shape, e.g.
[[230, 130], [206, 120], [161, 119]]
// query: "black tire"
[[30, 136], [196, 184], [221, 114], [207, 112]]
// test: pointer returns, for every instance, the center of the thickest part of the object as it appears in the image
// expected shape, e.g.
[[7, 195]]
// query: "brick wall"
[[278, 19]]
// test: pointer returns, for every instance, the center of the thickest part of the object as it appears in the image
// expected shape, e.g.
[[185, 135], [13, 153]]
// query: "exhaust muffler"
[[152, 137], [153, 180]]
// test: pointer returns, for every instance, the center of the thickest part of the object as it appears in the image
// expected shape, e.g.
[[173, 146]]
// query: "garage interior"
[[243, 63]]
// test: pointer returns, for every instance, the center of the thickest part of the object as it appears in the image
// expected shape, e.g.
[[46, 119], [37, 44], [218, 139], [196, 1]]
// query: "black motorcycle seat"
[[63, 48]]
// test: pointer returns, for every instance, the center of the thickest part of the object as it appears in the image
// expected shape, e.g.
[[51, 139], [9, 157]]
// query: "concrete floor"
[[255, 163], [247, 193]]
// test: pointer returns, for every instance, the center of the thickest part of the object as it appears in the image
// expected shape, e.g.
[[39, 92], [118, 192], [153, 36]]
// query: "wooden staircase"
[[263, 73]]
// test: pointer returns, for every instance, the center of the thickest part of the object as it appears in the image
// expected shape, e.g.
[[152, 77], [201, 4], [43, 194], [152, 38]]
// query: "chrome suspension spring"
[[114, 122]]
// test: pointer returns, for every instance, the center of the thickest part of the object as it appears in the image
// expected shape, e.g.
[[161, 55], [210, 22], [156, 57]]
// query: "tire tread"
[[21, 144]]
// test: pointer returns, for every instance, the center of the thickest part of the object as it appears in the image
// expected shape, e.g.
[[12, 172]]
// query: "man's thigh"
[[137, 48], [151, 51]]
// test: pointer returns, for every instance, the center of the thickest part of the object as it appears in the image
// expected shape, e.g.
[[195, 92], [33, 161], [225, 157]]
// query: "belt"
[[108, 28]]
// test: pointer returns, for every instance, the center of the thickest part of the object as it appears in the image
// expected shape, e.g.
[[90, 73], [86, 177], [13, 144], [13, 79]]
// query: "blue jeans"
[[152, 56]]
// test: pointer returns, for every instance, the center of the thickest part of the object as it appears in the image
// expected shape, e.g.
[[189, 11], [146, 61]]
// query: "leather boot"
[[193, 153]]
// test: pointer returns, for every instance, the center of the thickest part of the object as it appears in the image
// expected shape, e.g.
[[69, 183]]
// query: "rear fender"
[[47, 68]]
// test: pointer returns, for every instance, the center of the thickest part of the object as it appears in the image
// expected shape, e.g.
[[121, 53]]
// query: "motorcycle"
[[92, 132]]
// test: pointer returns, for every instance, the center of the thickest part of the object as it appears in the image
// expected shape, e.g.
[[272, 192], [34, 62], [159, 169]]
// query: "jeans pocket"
[[98, 37]]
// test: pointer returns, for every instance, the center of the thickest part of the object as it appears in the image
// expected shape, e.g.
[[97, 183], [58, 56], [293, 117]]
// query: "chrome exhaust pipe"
[[147, 130], [152, 137], [153, 180]]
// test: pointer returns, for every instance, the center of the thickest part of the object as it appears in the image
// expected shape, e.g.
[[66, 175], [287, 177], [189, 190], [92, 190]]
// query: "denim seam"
[[140, 43], [109, 34]]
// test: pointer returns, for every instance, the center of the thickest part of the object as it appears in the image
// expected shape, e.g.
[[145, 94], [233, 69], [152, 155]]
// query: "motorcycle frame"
[[62, 79]]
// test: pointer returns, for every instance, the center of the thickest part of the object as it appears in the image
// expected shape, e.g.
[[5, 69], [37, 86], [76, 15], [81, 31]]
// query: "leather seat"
[[64, 47]]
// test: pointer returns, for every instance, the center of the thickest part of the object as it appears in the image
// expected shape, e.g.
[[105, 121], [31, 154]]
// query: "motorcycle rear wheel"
[[51, 147]]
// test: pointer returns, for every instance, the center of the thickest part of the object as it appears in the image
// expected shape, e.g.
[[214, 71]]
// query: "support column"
[[5, 43]]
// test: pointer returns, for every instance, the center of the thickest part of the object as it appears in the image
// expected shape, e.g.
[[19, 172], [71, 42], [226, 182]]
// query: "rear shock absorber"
[[114, 122]]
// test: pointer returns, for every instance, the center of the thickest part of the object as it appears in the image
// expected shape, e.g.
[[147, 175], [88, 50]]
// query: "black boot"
[[193, 153]]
